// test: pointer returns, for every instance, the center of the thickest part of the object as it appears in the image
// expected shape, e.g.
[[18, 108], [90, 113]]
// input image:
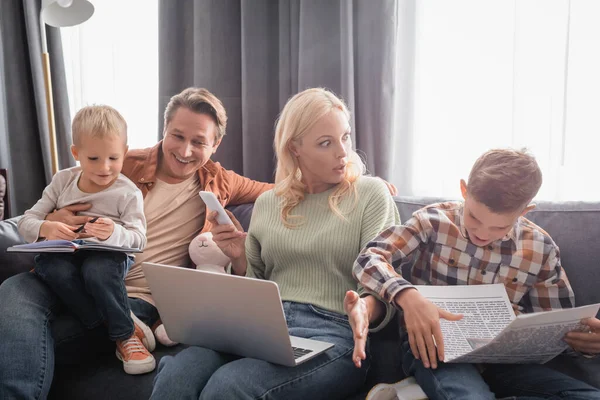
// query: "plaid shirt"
[[526, 260]]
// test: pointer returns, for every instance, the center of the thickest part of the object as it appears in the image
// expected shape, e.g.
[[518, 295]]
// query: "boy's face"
[[483, 225], [101, 161]]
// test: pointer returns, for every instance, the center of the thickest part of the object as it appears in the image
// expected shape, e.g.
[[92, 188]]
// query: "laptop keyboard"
[[299, 352]]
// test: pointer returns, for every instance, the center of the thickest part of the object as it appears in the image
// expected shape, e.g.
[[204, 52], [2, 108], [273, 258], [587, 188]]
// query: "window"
[[113, 59], [497, 73]]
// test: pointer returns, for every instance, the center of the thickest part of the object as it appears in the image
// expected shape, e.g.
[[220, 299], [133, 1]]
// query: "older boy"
[[484, 239]]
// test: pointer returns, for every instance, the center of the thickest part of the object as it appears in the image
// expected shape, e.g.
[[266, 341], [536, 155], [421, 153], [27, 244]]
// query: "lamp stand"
[[50, 111]]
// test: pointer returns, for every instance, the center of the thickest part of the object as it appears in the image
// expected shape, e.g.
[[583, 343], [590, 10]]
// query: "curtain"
[[24, 138], [254, 55]]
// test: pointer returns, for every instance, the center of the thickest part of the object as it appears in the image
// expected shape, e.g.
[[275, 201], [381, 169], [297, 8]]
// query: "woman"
[[305, 234]]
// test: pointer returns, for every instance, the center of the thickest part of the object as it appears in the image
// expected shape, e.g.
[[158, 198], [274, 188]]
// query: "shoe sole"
[[148, 341], [137, 368]]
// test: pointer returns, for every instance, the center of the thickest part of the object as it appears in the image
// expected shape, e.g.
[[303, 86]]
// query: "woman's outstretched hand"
[[358, 316]]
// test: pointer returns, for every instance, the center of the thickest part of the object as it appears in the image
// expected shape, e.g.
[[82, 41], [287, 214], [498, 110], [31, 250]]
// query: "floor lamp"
[[58, 13]]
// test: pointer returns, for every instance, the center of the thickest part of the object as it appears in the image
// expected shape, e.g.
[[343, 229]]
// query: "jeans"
[[37, 331], [91, 284], [200, 373], [514, 381]]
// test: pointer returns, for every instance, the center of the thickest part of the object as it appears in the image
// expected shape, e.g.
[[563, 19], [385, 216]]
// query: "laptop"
[[227, 313]]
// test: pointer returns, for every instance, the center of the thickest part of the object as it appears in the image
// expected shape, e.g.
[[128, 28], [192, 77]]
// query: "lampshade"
[[59, 13]]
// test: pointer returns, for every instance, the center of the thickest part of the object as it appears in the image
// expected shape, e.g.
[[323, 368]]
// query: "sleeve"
[[380, 213], [29, 226], [255, 266], [375, 267], [245, 190], [552, 290], [132, 232]]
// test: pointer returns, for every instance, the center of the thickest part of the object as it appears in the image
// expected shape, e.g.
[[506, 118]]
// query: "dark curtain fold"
[[256, 54], [24, 137]]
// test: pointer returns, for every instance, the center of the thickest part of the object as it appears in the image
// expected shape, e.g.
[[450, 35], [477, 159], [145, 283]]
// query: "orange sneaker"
[[144, 333], [136, 358]]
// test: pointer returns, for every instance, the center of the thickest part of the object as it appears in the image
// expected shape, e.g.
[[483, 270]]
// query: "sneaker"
[[144, 333], [136, 358], [161, 335]]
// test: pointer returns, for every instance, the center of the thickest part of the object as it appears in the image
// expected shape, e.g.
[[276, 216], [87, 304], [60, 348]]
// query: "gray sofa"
[[574, 226]]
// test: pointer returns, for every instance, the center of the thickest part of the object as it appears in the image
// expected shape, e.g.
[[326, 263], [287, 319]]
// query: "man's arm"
[[244, 190]]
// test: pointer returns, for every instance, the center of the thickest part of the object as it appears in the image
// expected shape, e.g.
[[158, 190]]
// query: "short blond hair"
[[299, 115], [200, 101], [98, 121], [505, 180]]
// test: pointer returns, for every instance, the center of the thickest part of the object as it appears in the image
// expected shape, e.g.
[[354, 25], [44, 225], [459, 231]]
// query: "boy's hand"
[[52, 230], [586, 342], [101, 229], [422, 319]]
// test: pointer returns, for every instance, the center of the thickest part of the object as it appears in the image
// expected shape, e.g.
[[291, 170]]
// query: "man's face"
[[482, 224], [190, 140]]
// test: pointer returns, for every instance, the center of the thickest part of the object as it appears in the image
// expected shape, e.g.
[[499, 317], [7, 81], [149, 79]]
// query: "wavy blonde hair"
[[299, 115]]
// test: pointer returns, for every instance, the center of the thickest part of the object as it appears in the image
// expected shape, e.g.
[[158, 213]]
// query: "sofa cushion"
[[12, 263]]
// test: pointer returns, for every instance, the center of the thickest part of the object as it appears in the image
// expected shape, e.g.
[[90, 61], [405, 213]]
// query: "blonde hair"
[[299, 115], [98, 121], [505, 180], [200, 101]]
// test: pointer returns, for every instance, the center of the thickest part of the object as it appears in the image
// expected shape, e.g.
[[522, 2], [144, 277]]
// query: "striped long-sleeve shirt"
[[435, 241]]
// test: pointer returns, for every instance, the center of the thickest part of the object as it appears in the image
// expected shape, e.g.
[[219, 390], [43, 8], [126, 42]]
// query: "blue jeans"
[[514, 381], [200, 373], [37, 331], [91, 284]]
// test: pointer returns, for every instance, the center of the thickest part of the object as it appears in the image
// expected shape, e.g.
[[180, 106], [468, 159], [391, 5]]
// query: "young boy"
[[91, 283], [483, 240]]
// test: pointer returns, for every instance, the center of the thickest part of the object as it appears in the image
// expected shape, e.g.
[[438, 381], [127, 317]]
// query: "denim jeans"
[[507, 381], [37, 331], [91, 284], [198, 372]]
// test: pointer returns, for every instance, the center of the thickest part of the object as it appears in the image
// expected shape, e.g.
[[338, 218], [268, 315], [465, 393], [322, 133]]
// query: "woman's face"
[[322, 153]]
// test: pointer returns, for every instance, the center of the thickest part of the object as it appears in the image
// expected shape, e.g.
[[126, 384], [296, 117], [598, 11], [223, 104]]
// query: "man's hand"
[[586, 342], [393, 189], [52, 230], [358, 316], [68, 214], [231, 239], [422, 319], [102, 229]]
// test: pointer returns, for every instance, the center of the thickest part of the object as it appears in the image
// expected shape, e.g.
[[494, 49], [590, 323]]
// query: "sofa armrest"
[[12, 263]]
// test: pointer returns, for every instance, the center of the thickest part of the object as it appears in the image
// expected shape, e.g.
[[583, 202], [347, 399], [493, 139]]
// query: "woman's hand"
[[358, 316], [53, 230], [422, 319], [231, 239], [586, 342]]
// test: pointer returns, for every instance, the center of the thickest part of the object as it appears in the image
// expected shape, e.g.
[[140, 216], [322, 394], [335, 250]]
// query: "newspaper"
[[490, 332]]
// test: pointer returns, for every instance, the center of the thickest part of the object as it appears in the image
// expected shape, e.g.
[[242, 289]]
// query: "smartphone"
[[213, 204]]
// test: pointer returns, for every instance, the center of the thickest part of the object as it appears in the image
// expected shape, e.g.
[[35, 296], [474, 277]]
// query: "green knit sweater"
[[312, 263]]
